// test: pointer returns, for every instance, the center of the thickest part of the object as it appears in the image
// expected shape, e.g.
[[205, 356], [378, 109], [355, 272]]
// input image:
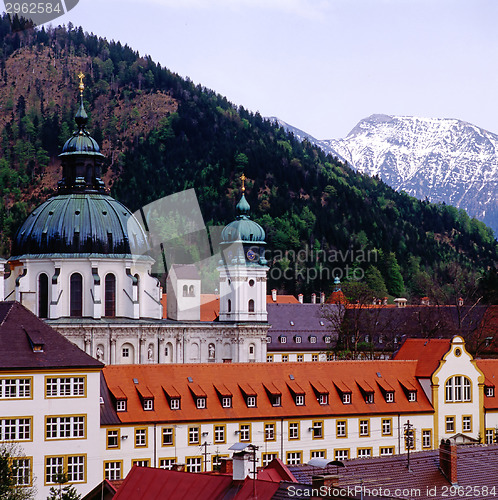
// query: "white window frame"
[[389, 397], [346, 398], [294, 458], [148, 404], [112, 470], [323, 399], [15, 429], [15, 388], [193, 464], [65, 387], [342, 428], [169, 433], [121, 405], [299, 399], [245, 432], [174, 403], [226, 402], [200, 403], [68, 427]]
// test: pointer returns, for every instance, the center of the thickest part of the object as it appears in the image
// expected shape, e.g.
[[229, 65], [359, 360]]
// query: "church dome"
[[80, 224], [82, 218], [243, 229]]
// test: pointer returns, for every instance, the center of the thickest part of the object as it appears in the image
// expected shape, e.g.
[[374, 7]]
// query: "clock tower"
[[243, 269]]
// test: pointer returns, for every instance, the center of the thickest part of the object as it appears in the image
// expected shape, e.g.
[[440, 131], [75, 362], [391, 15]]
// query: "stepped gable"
[[27, 342]]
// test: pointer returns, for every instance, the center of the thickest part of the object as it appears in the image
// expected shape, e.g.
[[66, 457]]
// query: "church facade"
[[82, 262]]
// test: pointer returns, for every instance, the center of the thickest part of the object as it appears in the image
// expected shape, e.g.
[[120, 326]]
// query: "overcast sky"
[[320, 65]]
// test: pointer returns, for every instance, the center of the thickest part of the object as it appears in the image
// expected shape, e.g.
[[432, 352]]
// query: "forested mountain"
[[162, 134]]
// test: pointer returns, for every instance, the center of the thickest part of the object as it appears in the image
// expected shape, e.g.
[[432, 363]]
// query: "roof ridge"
[[8, 312]]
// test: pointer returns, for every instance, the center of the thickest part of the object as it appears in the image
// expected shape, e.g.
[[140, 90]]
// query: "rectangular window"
[[174, 403], [489, 391], [364, 452], [201, 403], [285, 358], [323, 399], [300, 358], [167, 463], [317, 429], [121, 405], [226, 402], [269, 432], [141, 463], [276, 400], [19, 388], [219, 433], [341, 454], [269, 358], [293, 430], [112, 470], [194, 464], [364, 428], [390, 397], [490, 433], [314, 357], [193, 435], [369, 397], [268, 457], [297, 339], [312, 339], [293, 457], [217, 461], [245, 432], [65, 427], [386, 427], [346, 398], [317, 454], [21, 468], [72, 466], [426, 438], [167, 436], [412, 396], [63, 387], [389, 450], [283, 339], [112, 438], [450, 424], [140, 437], [15, 429], [341, 428], [299, 400], [148, 404], [467, 423], [251, 401]]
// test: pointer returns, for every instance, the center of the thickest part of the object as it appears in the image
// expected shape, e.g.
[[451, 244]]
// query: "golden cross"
[[243, 178], [81, 85]]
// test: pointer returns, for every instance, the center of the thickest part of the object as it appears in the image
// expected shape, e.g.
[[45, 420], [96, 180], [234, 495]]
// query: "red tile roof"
[[210, 306], [282, 299], [490, 369], [428, 352], [288, 378]]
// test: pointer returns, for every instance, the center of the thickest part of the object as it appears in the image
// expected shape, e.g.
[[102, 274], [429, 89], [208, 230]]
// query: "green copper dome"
[[243, 229]]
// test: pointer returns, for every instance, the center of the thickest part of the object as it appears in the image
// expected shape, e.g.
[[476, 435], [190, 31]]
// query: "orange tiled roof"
[[210, 306], [428, 352], [289, 379], [490, 369], [282, 299]]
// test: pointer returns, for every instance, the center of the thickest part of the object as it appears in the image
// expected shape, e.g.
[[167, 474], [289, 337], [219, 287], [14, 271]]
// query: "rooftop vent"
[[379, 375], [135, 380], [291, 376], [190, 379]]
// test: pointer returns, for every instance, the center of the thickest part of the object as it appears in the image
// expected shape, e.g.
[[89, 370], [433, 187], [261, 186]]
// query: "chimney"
[[322, 297], [241, 465], [448, 460], [274, 295], [300, 298], [460, 302], [313, 298], [384, 301]]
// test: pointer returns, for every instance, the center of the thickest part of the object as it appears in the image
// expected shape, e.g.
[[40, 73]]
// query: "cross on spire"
[[81, 86], [243, 178]]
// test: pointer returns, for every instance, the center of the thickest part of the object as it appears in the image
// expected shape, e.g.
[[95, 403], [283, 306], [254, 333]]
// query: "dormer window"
[[299, 400], [226, 402], [412, 396], [268, 339], [369, 397], [297, 339], [327, 339], [276, 400], [291, 323], [312, 339], [390, 397], [251, 401], [283, 339], [489, 391], [121, 405], [200, 403], [148, 404], [174, 403], [346, 398], [323, 399]]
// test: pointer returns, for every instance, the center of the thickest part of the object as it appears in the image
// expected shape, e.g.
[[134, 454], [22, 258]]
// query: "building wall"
[[40, 407]]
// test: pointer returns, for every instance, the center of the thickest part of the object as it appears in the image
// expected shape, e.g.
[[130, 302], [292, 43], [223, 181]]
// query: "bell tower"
[[243, 269]]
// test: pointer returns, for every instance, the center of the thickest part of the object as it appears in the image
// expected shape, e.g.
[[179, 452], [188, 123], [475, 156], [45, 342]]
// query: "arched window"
[[229, 305], [110, 295], [76, 295], [191, 291], [251, 306], [137, 277], [185, 290], [43, 296], [458, 389]]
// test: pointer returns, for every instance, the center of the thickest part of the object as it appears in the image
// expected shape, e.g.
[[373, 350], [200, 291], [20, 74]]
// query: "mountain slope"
[[444, 160], [163, 134]]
